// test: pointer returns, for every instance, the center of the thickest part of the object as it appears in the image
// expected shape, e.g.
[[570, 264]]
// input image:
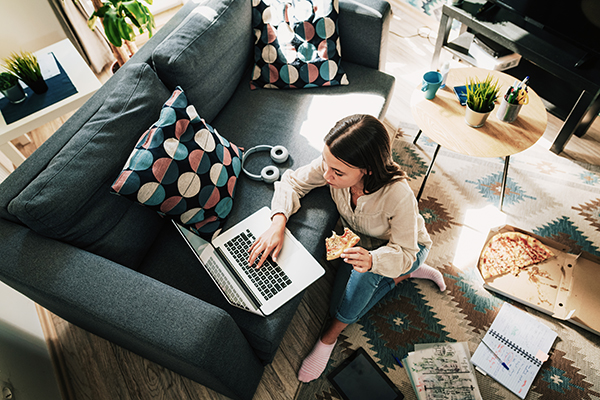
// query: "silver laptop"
[[260, 291]]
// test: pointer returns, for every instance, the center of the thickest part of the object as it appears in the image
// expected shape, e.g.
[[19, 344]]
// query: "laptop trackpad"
[[288, 252]]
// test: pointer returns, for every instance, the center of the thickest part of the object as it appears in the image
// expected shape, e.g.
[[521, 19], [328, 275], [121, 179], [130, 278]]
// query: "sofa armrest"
[[156, 321], [364, 27]]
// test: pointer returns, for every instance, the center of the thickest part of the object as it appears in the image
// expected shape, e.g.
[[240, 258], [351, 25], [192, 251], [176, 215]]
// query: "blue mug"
[[432, 81]]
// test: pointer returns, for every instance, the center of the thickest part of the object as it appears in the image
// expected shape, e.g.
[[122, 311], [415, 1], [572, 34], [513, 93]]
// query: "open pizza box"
[[563, 286]]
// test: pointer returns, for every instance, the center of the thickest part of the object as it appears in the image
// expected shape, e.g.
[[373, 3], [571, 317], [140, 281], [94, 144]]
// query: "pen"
[[517, 85], [494, 353], [398, 361], [509, 97]]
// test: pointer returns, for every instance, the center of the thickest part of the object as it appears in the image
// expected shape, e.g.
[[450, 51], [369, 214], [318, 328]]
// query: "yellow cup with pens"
[[515, 97]]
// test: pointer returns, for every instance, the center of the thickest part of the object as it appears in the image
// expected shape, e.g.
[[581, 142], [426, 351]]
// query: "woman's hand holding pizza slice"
[[343, 246]]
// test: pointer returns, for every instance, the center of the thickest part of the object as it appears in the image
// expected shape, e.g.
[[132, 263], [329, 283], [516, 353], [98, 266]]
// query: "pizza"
[[337, 244], [510, 252]]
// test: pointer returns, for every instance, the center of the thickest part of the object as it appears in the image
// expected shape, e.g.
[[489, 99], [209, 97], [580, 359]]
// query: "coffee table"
[[83, 79], [443, 121]]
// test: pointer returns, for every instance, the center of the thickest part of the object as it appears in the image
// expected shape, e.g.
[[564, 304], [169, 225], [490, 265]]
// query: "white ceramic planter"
[[475, 119]]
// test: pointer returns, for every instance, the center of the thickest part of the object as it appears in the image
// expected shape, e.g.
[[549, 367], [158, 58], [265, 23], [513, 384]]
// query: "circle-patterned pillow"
[[182, 168], [297, 44]]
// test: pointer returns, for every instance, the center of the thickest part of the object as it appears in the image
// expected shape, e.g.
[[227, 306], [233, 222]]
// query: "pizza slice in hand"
[[337, 244]]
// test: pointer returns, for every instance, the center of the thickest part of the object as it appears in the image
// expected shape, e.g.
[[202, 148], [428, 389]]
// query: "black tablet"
[[360, 378]]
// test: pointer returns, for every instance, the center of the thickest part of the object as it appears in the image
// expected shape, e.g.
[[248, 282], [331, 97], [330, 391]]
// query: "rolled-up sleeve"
[[296, 184]]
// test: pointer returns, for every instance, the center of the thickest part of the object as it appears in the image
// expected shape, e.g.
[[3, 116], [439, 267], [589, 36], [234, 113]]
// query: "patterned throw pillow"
[[297, 44], [182, 168]]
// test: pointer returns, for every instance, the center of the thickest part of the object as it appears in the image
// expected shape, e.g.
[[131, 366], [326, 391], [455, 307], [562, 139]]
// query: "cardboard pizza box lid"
[[560, 286], [579, 299]]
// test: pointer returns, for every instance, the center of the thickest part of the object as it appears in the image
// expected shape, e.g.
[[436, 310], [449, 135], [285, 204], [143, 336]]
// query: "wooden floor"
[[93, 368]]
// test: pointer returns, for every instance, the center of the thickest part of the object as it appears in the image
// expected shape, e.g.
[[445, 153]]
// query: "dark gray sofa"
[[118, 269]]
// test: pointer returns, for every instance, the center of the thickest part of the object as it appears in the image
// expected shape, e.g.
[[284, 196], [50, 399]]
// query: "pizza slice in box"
[[337, 244], [509, 252]]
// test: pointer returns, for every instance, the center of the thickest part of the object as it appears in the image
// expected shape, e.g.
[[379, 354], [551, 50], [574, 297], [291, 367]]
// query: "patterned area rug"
[[429, 7], [547, 195]]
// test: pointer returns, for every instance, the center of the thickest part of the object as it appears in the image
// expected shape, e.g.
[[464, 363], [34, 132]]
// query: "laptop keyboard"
[[269, 279]]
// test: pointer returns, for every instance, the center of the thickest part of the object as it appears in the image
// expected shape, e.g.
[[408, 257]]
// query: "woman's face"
[[338, 174]]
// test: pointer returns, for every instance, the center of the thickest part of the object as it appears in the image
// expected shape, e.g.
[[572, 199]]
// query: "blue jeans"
[[355, 293]]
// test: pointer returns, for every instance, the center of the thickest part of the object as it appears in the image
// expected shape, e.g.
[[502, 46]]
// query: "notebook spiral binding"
[[520, 351]]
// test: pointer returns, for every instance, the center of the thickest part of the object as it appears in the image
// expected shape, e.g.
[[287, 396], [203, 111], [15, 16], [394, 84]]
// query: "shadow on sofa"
[[121, 271]]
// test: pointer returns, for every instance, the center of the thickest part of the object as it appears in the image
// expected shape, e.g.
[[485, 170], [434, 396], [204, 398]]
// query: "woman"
[[374, 200]]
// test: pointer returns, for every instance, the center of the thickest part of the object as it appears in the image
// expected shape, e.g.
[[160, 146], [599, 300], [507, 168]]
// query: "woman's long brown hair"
[[361, 141]]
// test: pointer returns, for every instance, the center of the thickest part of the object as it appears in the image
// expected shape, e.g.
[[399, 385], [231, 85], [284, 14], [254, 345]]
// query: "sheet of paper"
[[517, 339], [48, 65], [441, 371]]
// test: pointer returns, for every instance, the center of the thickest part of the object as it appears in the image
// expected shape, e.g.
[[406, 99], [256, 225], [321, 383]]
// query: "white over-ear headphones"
[[270, 173]]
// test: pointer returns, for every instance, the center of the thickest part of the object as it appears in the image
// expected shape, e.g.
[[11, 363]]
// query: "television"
[[574, 21]]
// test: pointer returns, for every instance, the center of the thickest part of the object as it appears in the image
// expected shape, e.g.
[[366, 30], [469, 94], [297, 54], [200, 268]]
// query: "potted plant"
[[118, 20], [27, 68], [10, 88], [480, 100]]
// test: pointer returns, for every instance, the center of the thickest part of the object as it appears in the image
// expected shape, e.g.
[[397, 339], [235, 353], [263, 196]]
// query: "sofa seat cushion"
[[298, 120], [171, 261], [70, 199], [208, 53]]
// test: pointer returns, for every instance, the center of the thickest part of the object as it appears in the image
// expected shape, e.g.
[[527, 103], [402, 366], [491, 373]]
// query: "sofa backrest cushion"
[[70, 200], [208, 54]]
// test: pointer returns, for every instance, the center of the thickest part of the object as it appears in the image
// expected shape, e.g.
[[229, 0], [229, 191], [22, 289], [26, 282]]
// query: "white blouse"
[[387, 221]]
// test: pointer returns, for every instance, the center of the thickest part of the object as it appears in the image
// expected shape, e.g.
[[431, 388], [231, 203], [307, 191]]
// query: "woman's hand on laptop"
[[269, 243]]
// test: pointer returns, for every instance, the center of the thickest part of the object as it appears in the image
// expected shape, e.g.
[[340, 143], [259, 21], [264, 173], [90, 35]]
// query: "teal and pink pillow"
[[297, 44], [182, 168]]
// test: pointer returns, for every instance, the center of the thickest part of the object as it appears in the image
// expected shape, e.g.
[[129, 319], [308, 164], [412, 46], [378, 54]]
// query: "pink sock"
[[314, 364], [427, 272]]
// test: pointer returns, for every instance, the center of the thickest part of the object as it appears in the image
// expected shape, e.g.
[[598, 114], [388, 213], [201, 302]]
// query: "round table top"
[[443, 119]]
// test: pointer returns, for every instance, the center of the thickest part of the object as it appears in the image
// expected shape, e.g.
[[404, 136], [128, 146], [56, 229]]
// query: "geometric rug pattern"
[[546, 194], [429, 7]]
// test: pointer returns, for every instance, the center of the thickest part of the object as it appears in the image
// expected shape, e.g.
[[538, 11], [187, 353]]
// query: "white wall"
[[25, 365], [27, 25]]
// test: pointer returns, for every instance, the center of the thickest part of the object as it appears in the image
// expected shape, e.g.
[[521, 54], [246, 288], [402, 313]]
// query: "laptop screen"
[[195, 241]]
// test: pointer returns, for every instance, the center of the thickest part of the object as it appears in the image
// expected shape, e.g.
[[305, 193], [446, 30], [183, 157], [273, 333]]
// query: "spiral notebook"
[[514, 349]]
